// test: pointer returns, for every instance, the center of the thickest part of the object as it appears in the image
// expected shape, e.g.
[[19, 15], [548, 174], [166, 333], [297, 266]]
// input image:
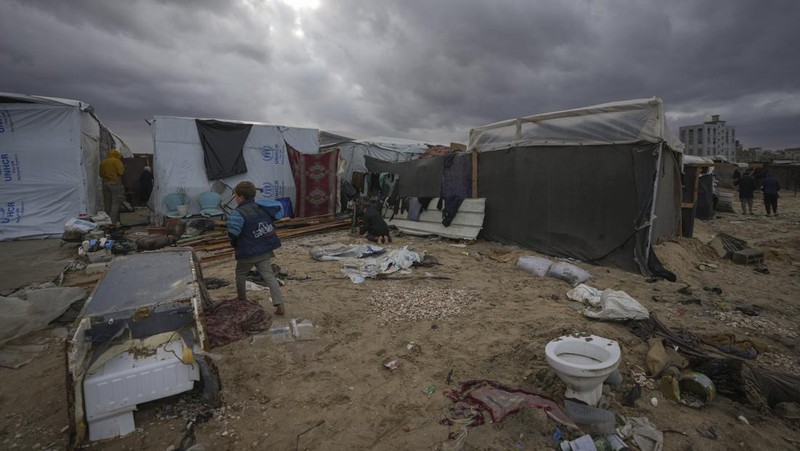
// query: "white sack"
[[568, 273], [535, 265]]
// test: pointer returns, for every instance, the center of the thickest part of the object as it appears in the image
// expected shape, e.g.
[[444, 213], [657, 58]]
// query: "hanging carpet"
[[315, 179]]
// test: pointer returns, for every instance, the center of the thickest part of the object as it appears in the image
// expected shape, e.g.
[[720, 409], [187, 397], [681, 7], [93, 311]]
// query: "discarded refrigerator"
[[140, 337]]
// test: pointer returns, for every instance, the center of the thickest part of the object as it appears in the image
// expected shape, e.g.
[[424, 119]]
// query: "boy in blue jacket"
[[252, 234]]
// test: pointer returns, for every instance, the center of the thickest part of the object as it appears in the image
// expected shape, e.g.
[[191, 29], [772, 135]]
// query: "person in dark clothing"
[[374, 226], [771, 186], [252, 234], [747, 188], [736, 177], [145, 185]]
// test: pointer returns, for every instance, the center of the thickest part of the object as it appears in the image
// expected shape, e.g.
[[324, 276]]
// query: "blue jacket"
[[770, 185], [250, 227]]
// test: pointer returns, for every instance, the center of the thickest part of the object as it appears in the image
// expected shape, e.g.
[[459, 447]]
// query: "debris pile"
[[397, 303]]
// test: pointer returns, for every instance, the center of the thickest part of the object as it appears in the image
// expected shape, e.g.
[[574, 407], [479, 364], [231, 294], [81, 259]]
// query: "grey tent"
[[600, 184]]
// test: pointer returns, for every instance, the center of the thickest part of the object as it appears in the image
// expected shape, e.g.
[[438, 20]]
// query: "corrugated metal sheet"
[[466, 224]]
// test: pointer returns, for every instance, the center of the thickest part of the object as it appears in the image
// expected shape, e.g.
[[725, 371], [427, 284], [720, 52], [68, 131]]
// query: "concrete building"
[[710, 139]]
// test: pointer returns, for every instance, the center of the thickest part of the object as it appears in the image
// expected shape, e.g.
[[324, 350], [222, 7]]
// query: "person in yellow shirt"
[[111, 171]]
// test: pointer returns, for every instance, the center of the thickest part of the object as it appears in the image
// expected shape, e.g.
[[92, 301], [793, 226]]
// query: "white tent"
[[353, 151], [50, 151], [178, 160]]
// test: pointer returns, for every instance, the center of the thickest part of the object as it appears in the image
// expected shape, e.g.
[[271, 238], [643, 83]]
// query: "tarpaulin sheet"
[[418, 178], [48, 168], [585, 202], [222, 147], [178, 160]]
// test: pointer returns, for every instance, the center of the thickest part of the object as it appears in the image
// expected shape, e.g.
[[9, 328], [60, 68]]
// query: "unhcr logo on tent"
[[275, 154], [274, 189], [11, 212], [8, 166]]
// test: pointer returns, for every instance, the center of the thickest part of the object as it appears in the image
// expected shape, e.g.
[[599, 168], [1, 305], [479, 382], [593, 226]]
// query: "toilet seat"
[[582, 354]]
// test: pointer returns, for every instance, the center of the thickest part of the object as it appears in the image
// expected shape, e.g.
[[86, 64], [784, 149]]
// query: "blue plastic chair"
[[172, 201], [209, 204]]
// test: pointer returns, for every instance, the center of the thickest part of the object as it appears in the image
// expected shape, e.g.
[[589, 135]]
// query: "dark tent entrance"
[[602, 204]]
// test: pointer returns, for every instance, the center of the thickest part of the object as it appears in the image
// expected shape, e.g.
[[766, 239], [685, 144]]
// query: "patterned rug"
[[232, 320], [315, 179]]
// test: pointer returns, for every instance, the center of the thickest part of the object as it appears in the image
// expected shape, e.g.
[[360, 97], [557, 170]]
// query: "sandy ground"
[[273, 392]]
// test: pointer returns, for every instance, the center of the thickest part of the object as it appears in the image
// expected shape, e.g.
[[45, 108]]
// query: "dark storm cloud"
[[425, 70]]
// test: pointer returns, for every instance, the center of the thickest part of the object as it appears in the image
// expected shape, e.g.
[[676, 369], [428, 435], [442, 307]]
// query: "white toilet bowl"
[[583, 362]]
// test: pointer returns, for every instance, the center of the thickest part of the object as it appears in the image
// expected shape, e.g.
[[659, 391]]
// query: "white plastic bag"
[[616, 305], [585, 294], [79, 225], [568, 273], [536, 265]]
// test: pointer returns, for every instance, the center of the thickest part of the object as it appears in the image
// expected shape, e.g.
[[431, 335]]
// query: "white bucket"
[[182, 209]]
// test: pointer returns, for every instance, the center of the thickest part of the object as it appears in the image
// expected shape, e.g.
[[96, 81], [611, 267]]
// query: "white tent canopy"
[[383, 148], [50, 152], [623, 122], [178, 160]]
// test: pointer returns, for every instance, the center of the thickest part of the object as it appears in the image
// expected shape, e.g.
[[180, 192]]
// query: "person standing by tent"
[[747, 188], [771, 186], [253, 236], [374, 226], [111, 171], [145, 184]]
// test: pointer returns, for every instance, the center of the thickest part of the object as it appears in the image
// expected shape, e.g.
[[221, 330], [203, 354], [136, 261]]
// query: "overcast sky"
[[426, 70]]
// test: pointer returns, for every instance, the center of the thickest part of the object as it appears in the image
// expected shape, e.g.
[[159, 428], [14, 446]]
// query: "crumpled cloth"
[[397, 260], [232, 320]]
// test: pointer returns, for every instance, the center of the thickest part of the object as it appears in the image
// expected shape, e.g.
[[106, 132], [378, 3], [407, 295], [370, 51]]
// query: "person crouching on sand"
[[374, 226]]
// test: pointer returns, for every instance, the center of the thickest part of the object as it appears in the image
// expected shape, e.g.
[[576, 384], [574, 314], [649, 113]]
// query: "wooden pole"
[[474, 174]]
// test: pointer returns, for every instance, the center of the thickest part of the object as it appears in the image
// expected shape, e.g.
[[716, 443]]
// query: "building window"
[[683, 136], [691, 137], [699, 136]]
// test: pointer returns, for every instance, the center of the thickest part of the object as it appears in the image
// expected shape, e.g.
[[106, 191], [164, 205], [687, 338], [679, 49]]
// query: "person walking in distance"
[[252, 234], [771, 186], [747, 188], [111, 171]]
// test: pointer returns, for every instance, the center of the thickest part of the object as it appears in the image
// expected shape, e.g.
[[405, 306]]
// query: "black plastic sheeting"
[[418, 178], [591, 203], [223, 143], [705, 198]]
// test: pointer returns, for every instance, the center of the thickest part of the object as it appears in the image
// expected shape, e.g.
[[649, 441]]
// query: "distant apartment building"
[[710, 139]]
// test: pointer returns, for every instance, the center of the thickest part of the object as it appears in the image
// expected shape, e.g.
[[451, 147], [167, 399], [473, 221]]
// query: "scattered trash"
[[761, 269], [725, 245], [590, 419], [707, 266], [743, 420], [645, 434], [632, 396], [280, 334], [430, 389], [711, 433], [333, 252], [359, 269], [397, 303], [661, 357], [302, 329], [654, 401], [608, 304], [473, 398], [690, 388], [392, 364], [716, 290]]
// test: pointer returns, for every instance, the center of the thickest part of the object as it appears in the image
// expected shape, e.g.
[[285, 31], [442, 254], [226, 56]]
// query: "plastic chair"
[[209, 204], [174, 200]]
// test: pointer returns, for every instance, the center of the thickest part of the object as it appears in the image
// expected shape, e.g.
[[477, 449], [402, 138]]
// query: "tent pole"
[[653, 207]]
